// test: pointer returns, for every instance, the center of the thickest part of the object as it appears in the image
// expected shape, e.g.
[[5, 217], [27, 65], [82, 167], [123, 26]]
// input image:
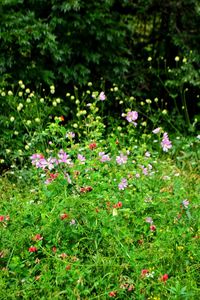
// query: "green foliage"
[[79, 236]]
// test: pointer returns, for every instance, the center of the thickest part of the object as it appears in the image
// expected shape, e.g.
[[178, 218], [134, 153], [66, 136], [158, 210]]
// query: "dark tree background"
[[73, 42]]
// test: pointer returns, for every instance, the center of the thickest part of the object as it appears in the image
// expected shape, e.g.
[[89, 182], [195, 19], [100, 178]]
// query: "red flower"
[[54, 249], [112, 294], [92, 146], [68, 267], [164, 278], [144, 272], [32, 249], [64, 216], [37, 237], [2, 218], [63, 255], [86, 189], [118, 205], [152, 227]]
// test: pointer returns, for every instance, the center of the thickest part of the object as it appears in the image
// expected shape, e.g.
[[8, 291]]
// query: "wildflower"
[[37, 237], [164, 278], [185, 203], [149, 220], [102, 96], [121, 159], [86, 189], [118, 205], [177, 58], [2, 218], [64, 216], [68, 267], [12, 119], [132, 116], [144, 272], [63, 255], [157, 130], [64, 157], [81, 158], [166, 143], [137, 175], [149, 58], [152, 228], [54, 249], [104, 157], [92, 146], [72, 222], [70, 135], [32, 249], [123, 184], [112, 294], [147, 154]]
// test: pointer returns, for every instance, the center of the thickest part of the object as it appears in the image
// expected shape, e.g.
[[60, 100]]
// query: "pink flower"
[[166, 143], [131, 116], [152, 227], [157, 130], [102, 96], [70, 135], [149, 220], [81, 158], [32, 249], [123, 184], [104, 157], [185, 203], [122, 159]]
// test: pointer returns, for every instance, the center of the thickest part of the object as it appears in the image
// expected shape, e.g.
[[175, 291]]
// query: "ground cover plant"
[[99, 212]]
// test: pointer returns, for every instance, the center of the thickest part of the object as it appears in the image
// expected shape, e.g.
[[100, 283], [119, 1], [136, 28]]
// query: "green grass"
[[108, 247]]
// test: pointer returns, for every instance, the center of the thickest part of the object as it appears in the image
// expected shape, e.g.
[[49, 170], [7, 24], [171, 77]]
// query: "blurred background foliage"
[[130, 43]]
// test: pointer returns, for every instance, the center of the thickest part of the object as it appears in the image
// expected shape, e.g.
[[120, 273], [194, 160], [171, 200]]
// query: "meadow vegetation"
[[97, 206]]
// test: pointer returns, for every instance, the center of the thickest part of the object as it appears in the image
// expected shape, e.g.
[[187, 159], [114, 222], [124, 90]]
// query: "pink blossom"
[[121, 159], [123, 184], [81, 158], [166, 143], [102, 96], [104, 157], [149, 220], [157, 130], [185, 203], [132, 116]]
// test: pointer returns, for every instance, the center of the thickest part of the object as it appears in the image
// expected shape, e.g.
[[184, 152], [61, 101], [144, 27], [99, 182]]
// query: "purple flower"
[[185, 203], [70, 135], [166, 143], [104, 157], [149, 220], [132, 116], [123, 184], [64, 157], [102, 96], [122, 159], [157, 130], [81, 158]]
